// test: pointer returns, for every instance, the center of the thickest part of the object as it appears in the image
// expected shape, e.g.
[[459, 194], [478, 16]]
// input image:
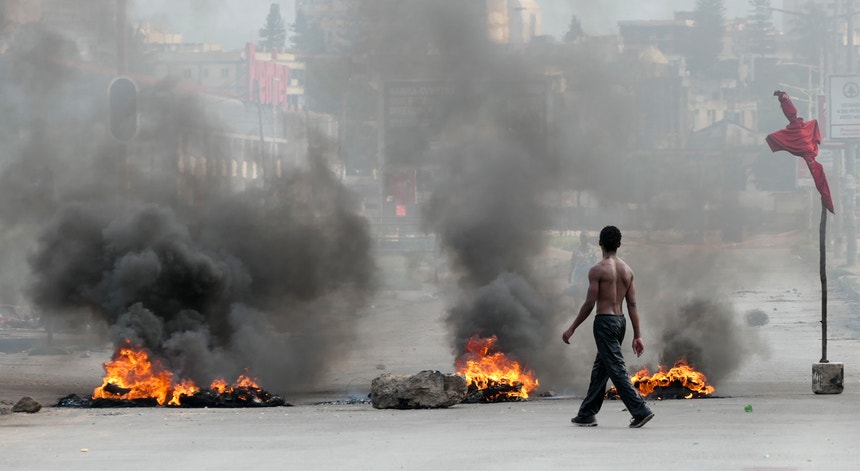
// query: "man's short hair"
[[610, 238]]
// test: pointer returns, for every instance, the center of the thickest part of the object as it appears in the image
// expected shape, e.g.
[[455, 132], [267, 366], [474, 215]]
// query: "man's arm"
[[587, 305], [633, 312]]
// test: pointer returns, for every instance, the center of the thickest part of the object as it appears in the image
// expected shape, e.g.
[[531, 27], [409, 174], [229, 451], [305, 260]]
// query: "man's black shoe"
[[638, 422], [589, 421]]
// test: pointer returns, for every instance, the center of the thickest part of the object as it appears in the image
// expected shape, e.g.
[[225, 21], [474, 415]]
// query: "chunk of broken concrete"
[[424, 390]]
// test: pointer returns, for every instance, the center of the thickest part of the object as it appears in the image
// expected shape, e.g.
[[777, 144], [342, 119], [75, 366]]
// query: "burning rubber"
[[133, 380]]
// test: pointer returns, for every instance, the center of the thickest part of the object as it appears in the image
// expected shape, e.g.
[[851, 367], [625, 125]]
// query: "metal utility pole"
[[850, 157], [822, 271], [122, 69], [121, 37]]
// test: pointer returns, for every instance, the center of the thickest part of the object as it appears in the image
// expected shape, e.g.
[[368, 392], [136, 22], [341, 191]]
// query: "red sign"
[[401, 187], [267, 80]]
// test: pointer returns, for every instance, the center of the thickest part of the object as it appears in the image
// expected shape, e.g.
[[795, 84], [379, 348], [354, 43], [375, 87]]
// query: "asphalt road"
[[789, 427]]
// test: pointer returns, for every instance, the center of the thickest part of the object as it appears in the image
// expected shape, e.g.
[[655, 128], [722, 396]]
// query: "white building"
[[525, 20]]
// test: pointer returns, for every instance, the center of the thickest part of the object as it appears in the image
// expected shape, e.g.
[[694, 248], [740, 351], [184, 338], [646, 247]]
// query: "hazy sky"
[[601, 17], [232, 23]]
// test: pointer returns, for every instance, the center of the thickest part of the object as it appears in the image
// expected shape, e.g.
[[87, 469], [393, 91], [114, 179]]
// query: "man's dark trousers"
[[609, 332]]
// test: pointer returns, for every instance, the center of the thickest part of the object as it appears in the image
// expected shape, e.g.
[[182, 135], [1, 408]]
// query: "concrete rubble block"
[[424, 390], [27, 404], [827, 378]]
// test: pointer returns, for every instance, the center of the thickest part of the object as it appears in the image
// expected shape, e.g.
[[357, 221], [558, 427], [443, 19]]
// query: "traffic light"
[[122, 98]]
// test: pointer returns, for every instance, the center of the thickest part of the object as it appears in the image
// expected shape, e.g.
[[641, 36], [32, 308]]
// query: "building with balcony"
[[669, 36], [215, 72], [85, 22]]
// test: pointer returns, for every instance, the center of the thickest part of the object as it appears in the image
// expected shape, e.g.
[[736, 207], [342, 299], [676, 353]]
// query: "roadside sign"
[[844, 107], [827, 154]]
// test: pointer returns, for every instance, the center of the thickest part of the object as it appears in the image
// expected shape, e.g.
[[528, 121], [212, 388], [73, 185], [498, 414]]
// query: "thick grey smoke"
[[272, 284], [274, 279], [496, 162], [706, 334], [686, 310], [496, 153], [47, 129], [270, 279], [487, 214]]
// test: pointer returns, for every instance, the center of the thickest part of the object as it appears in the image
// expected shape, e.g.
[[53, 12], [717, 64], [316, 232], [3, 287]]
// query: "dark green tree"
[[760, 33], [706, 37], [809, 34], [308, 38], [273, 34], [575, 31]]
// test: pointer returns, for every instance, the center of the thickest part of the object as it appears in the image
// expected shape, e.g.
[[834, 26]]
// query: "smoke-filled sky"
[[273, 277], [232, 23], [210, 269], [602, 17]]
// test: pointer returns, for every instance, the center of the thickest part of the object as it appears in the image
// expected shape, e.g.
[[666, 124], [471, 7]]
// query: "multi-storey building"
[[507, 21], [525, 20], [216, 72], [669, 36], [91, 24], [20, 11]]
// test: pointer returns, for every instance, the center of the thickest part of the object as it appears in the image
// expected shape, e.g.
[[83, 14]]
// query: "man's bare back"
[[613, 279], [610, 282]]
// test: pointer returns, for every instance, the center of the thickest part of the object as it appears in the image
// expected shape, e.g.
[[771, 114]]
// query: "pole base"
[[827, 378]]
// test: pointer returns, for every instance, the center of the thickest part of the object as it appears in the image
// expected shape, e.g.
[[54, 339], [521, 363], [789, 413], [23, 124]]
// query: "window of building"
[[225, 72], [186, 73]]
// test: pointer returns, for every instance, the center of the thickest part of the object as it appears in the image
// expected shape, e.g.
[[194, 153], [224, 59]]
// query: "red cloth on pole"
[[801, 139]]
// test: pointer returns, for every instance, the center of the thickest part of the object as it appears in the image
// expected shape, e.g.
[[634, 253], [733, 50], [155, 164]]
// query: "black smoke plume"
[[272, 283], [687, 312], [213, 276], [497, 149]]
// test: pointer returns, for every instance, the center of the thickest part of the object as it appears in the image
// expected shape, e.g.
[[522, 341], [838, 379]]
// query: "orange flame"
[[221, 387], [132, 375], [485, 368], [680, 375]]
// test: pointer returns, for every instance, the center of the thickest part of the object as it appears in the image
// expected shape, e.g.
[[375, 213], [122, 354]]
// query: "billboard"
[[844, 107], [267, 79]]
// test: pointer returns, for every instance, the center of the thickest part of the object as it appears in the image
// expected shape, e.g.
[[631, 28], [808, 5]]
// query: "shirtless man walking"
[[609, 282]]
